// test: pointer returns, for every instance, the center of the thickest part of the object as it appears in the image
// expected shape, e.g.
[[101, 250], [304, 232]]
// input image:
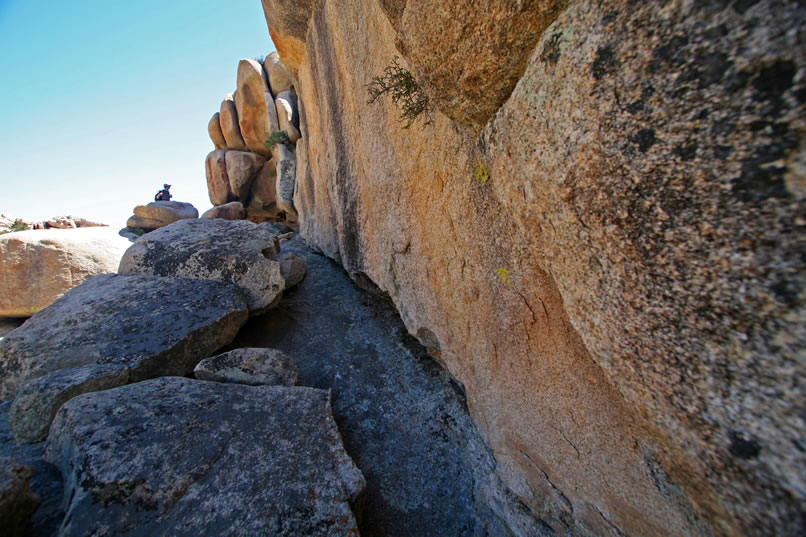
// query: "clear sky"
[[103, 101]]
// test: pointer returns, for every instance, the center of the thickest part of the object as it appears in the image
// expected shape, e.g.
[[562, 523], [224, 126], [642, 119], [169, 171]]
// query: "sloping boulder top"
[[232, 251], [154, 326], [182, 457]]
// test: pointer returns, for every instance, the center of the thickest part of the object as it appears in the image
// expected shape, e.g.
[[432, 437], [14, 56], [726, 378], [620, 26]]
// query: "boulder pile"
[[244, 168], [98, 375], [57, 222]]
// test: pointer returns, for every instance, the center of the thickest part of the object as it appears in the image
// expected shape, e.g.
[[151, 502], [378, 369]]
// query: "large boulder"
[[39, 266], [218, 187], [288, 114], [293, 269], [213, 249], [162, 213], [215, 132], [182, 457], [151, 325], [279, 78], [257, 115], [242, 167], [229, 211], [17, 501], [228, 118], [251, 366]]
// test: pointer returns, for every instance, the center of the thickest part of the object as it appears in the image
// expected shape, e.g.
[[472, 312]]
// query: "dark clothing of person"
[[163, 195]]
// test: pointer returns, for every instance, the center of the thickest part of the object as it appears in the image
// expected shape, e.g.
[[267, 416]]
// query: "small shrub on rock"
[[405, 91], [280, 138]]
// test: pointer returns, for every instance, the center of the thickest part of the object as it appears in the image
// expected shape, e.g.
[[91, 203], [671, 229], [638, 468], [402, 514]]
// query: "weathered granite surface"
[[213, 249], [252, 366], [151, 325], [182, 457], [613, 268]]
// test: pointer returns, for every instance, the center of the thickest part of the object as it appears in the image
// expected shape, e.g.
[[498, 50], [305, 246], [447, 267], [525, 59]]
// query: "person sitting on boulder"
[[163, 195]]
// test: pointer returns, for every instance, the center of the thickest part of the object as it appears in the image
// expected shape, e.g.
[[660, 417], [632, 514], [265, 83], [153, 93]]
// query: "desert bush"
[[405, 91], [280, 137]]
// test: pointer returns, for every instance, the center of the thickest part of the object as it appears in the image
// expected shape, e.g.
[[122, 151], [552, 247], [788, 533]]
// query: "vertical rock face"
[[607, 253]]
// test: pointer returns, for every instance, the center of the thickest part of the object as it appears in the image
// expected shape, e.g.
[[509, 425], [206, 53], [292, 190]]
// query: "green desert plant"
[[16, 226], [405, 91], [280, 137], [139, 231]]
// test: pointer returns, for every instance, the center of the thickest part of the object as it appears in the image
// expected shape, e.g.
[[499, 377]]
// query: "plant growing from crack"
[[406, 93], [279, 137]]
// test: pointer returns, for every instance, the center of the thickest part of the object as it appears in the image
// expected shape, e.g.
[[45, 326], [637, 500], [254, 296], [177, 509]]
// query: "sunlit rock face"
[[609, 258]]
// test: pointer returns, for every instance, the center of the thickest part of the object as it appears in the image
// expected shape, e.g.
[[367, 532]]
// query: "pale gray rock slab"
[[286, 181], [213, 249], [17, 501], [38, 401], [292, 267], [181, 457], [252, 366], [152, 325]]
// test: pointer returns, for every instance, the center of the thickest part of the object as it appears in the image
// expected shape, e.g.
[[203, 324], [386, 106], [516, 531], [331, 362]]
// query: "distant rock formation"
[[600, 235], [240, 169], [39, 266], [57, 222]]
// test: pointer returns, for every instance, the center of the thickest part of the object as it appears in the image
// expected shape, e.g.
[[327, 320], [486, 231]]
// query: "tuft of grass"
[[16, 226], [481, 173], [139, 231], [280, 137], [405, 91]]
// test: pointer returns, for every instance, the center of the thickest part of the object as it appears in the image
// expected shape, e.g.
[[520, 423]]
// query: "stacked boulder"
[[246, 179], [157, 214]]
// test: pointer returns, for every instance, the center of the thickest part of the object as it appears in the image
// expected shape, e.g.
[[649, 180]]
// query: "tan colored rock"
[[166, 212], [242, 168], [228, 118], [229, 211], [214, 130], [257, 116], [279, 78], [612, 272], [39, 266], [287, 114], [218, 187], [262, 203]]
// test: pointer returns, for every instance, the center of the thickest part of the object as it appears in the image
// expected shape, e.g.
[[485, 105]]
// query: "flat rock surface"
[[154, 326], [403, 420], [213, 249], [181, 457], [249, 366]]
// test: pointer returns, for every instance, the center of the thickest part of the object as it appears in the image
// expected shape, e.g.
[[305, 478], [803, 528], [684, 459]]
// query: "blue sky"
[[102, 101]]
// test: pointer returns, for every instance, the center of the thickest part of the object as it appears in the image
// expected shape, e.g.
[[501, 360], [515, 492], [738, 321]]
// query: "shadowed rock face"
[[175, 456], [613, 268]]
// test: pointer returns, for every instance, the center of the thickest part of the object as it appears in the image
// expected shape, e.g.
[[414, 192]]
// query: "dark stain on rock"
[[742, 446], [707, 69], [635, 107], [743, 5], [772, 82], [786, 291], [551, 49], [645, 138], [758, 182], [687, 151], [722, 152], [605, 62]]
